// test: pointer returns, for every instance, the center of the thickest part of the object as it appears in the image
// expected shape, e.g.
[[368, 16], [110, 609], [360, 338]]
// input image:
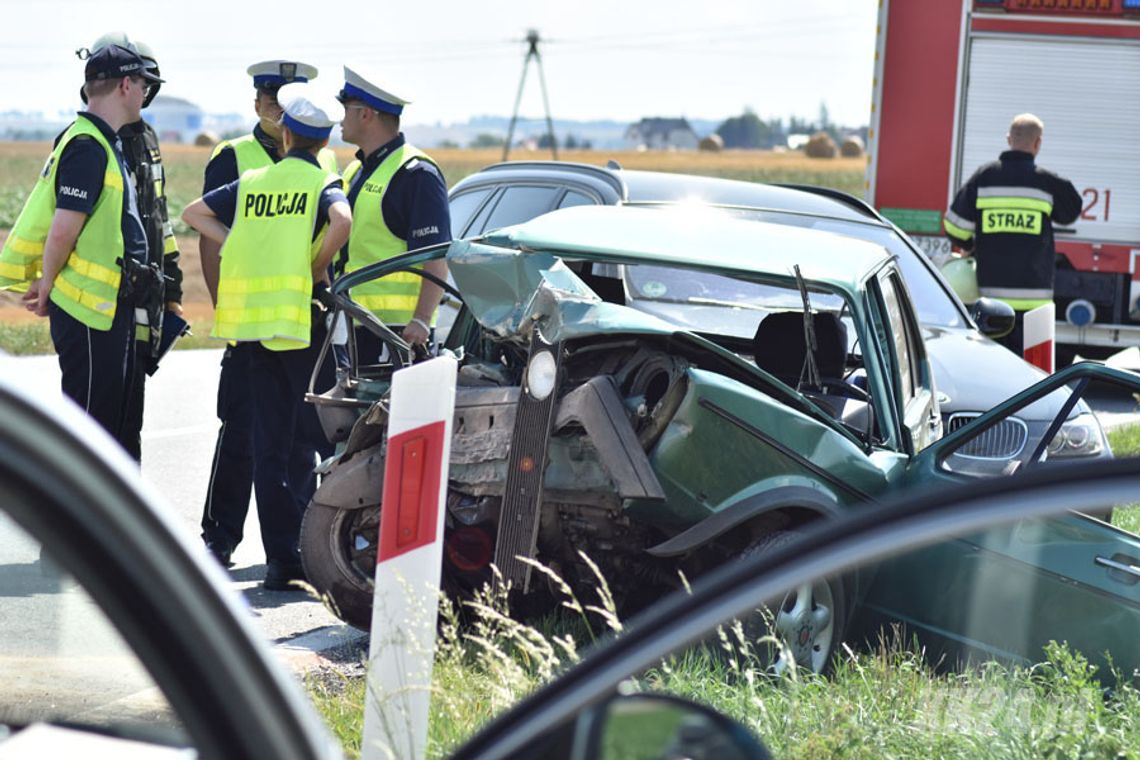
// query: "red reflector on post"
[[411, 484], [410, 503]]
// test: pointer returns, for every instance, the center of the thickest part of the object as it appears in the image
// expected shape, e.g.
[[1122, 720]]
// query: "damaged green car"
[[591, 428]]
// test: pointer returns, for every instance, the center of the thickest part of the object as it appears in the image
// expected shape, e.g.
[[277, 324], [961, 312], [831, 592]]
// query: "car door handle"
[[1129, 567]]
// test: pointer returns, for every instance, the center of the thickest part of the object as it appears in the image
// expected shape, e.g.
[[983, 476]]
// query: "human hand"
[[415, 333], [36, 299], [174, 307]]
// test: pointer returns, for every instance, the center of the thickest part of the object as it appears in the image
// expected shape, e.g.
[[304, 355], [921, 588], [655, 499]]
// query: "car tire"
[[811, 620], [337, 551]]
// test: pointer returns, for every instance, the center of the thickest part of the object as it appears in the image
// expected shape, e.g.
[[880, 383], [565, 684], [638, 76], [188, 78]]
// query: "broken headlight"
[[541, 373]]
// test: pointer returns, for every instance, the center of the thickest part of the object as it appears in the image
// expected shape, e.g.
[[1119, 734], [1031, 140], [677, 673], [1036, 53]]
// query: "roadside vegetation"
[[885, 702]]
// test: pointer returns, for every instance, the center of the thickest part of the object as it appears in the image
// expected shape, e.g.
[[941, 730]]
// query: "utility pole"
[[532, 39]]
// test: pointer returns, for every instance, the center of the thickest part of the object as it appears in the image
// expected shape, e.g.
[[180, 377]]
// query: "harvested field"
[[20, 162]]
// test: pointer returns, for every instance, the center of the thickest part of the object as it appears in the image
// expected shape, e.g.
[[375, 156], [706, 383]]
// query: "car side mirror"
[[994, 318], [661, 725]]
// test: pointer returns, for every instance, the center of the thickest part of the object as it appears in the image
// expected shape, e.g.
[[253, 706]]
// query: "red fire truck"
[[949, 77]]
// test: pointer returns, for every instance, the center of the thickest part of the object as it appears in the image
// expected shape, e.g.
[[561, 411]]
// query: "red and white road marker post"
[[1039, 329], [408, 561]]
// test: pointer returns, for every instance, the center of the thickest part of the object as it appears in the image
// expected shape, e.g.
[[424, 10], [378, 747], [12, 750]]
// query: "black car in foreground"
[[972, 373]]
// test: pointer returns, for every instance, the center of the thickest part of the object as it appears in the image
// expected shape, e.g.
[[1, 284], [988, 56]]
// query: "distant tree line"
[[747, 131], [491, 140], [750, 131]]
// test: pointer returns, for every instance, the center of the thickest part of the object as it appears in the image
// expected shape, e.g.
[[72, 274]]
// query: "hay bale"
[[852, 147], [206, 140], [713, 143], [820, 145]]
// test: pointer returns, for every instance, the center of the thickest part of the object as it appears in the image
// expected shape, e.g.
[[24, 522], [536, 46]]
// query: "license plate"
[[932, 245]]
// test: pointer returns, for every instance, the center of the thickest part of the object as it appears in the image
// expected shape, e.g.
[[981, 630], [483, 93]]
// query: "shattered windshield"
[[933, 303], [713, 303]]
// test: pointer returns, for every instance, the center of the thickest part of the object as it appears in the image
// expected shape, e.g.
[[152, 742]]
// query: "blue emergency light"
[[1131, 5]]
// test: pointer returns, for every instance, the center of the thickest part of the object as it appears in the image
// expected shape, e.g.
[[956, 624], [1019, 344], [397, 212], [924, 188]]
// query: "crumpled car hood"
[[508, 291]]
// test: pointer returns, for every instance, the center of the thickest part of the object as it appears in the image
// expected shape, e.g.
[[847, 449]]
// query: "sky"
[[603, 59]]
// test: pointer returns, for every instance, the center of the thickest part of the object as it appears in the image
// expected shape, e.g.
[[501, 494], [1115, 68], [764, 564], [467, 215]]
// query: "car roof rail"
[[845, 198], [605, 174]]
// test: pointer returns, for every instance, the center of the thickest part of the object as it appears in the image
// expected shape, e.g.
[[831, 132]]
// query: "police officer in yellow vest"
[[278, 227], [158, 286], [78, 230], [231, 475], [399, 203]]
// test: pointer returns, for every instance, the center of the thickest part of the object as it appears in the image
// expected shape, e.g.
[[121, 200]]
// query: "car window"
[[712, 303], [907, 361], [63, 660], [463, 207], [933, 304], [519, 204], [574, 198]]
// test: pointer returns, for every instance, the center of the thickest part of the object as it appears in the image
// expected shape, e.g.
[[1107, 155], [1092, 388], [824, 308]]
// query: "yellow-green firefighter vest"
[[265, 281], [87, 286], [393, 298], [251, 155]]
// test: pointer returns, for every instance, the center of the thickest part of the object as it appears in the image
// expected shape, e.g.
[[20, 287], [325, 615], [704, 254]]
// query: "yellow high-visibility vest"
[[393, 298], [87, 286], [250, 154], [265, 281]]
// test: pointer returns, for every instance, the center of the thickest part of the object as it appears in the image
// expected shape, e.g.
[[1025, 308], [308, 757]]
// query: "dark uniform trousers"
[[133, 398], [281, 419], [96, 366], [233, 473]]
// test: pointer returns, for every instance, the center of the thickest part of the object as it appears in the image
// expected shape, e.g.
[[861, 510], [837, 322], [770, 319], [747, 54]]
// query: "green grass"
[[11, 202], [886, 702], [31, 338], [25, 338], [1125, 442]]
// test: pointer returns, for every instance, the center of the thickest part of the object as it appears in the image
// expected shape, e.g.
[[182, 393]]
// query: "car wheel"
[[810, 620], [338, 552]]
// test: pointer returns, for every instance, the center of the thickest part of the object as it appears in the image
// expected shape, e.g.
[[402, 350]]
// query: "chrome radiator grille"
[[1004, 440]]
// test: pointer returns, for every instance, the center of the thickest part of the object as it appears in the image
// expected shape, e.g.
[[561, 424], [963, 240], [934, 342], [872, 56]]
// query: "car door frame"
[[169, 603], [828, 548], [925, 466], [914, 419]]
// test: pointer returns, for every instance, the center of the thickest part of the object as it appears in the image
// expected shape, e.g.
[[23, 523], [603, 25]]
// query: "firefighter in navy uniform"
[[399, 203], [1003, 215], [231, 473], [79, 236], [159, 286], [278, 227]]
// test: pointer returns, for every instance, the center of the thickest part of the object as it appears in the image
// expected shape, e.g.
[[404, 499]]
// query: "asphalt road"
[[179, 430]]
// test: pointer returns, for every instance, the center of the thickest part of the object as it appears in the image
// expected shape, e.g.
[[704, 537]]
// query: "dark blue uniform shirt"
[[223, 200], [79, 181], [415, 204]]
